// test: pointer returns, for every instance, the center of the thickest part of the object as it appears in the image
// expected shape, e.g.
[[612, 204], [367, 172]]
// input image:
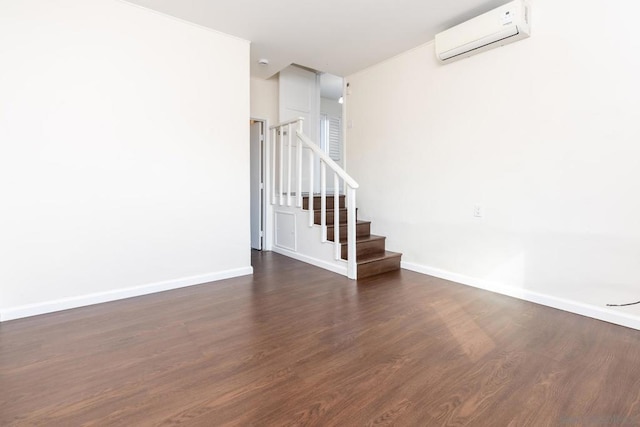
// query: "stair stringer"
[[305, 244]]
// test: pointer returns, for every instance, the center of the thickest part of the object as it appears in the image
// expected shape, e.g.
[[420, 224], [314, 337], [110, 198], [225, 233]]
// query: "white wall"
[[264, 99], [542, 133], [120, 130], [331, 107]]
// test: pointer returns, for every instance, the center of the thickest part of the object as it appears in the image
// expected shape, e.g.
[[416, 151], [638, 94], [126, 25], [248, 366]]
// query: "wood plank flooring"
[[297, 345]]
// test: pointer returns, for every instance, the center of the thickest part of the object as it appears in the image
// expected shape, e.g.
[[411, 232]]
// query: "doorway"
[[258, 129]]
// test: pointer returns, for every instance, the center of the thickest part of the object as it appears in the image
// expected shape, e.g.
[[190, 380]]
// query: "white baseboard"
[[336, 268], [19, 312], [601, 313]]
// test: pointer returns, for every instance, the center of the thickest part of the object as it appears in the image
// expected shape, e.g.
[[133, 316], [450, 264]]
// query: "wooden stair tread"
[[370, 265], [363, 228], [369, 238], [330, 216], [329, 209], [317, 201], [372, 257], [365, 245], [365, 259], [344, 224]]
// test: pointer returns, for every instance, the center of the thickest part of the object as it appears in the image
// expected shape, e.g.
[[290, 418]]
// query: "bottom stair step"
[[371, 265]]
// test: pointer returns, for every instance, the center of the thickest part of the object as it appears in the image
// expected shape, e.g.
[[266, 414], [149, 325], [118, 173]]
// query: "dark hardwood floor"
[[296, 345]]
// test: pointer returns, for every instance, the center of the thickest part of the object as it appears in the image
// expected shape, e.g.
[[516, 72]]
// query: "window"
[[331, 136]]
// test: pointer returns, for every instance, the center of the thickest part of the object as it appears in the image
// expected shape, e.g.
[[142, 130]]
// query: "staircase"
[[371, 256], [323, 229]]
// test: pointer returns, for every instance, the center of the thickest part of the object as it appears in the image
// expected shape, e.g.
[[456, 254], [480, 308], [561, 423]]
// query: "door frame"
[[266, 237]]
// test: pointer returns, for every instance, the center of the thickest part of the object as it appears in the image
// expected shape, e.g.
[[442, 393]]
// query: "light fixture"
[[341, 100], [263, 61]]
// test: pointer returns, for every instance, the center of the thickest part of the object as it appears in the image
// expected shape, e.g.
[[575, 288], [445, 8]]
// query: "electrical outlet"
[[478, 212]]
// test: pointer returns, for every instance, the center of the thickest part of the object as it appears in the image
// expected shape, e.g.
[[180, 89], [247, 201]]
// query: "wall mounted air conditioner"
[[503, 25]]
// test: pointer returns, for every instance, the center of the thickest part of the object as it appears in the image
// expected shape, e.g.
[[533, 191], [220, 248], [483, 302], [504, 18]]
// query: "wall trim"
[[600, 313], [336, 268], [12, 313]]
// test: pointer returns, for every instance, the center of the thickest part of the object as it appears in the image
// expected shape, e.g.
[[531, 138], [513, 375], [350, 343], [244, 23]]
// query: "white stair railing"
[[283, 165]]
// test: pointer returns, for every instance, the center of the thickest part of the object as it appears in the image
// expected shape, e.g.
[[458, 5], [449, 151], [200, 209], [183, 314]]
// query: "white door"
[[300, 97], [256, 182]]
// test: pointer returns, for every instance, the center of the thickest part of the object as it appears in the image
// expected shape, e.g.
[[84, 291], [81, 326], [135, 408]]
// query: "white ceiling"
[[331, 86], [336, 36]]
